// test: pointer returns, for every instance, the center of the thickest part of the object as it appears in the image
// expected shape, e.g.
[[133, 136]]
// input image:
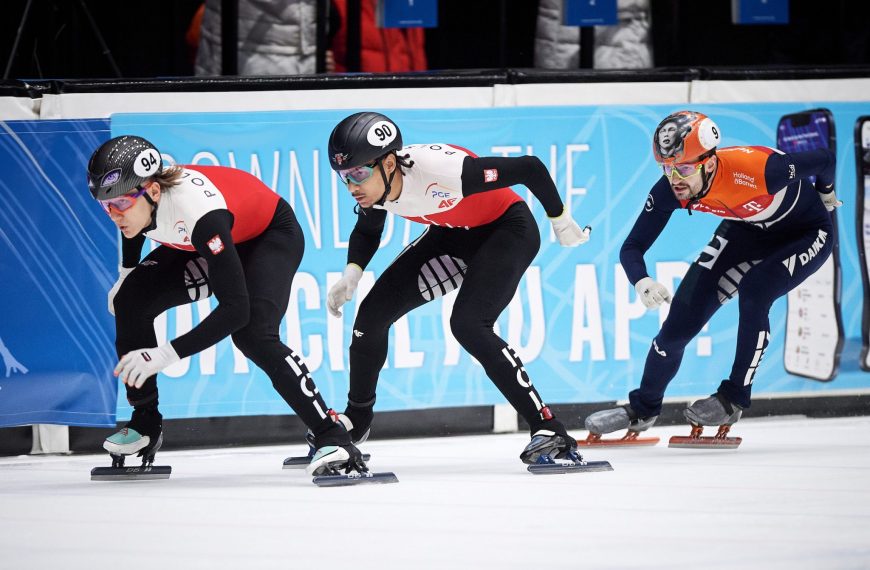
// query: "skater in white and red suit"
[[480, 238], [222, 232]]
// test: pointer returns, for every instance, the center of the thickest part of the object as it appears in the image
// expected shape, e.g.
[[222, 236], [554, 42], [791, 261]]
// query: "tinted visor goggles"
[[358, 174], [122, 203], [684, 170]]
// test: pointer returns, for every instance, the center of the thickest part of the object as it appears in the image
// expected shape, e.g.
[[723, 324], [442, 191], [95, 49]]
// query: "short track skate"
[[146, 471], [630, 439], [696, 441], [352, 473], [338, 479], [571, 463]]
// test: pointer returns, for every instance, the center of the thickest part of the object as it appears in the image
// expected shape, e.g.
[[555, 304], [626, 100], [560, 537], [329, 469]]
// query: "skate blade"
[[704, 442], [566, 466], [624, 441], [301, 461], [355, 478], [136, 473]]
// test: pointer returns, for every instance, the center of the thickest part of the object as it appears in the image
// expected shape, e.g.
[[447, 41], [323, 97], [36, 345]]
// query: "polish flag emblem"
[[216, 245], [490, 175]]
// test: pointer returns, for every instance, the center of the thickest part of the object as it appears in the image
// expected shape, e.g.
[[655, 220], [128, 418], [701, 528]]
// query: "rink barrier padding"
[[435, 422]]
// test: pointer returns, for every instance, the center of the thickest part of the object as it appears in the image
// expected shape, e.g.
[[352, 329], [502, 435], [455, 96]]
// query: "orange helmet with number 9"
[[685, 136]]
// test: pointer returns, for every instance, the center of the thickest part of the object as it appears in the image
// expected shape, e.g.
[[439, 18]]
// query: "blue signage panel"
[[58, 259], [759, 11], [407, 13], [589, 12]]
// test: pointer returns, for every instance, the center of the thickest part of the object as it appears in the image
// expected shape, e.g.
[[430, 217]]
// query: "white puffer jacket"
[[626, 45], [275, 37]]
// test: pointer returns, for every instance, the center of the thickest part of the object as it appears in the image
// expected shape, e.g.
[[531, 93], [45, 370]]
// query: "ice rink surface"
[[796, 494]]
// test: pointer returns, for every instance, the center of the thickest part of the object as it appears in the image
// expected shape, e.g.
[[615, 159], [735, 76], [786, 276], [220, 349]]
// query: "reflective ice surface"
[[796, 494]]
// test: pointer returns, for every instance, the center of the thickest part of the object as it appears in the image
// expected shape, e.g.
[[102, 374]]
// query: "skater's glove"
[[123, 272], [829, 199], [342, 292], [137, 366], [652, 293], [568, 231]]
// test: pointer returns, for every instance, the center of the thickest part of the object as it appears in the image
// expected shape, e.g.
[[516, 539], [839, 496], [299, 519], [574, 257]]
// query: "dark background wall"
[[700, 33], [148, 39]]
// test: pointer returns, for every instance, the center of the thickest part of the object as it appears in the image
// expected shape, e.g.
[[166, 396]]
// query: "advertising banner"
[[58, 259], [575, 320]]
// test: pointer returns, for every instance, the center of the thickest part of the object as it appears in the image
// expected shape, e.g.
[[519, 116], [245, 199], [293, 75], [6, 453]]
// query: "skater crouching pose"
[[480, 238], [222, 232], [777, 232]]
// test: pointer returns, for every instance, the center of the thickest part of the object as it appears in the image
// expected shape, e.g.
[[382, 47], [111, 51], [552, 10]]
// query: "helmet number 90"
[[147, 163], [381, 134]]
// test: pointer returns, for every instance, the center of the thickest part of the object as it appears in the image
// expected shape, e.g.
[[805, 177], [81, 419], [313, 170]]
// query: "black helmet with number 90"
[[120, 165], [361, 139]]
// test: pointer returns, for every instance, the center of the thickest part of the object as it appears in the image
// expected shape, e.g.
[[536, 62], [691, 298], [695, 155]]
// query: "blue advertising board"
[[407, 13], [575, 320], [58, 258], [759, 11], [589, 12]]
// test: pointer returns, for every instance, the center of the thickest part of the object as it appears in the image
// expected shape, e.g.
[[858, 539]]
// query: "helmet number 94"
[[381, 134], [147, 163]]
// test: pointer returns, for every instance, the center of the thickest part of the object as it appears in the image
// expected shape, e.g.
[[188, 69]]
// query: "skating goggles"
[[122, 203], [358, 174], [684, 170]]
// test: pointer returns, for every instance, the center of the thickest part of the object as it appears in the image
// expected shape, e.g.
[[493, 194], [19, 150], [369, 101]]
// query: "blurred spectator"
[[382, 49], [627, 45], [191, 37], [275, 38]]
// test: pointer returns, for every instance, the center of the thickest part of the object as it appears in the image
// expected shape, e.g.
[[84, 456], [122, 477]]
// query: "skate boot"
[[143, 430], [334, 452], [550, 438], [333, 459], [715, 410], [553, 451], [623, 417], [337, 462], [142, 435], [300, 461]]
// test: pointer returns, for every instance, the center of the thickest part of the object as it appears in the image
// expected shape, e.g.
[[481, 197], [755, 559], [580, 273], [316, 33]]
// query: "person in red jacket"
[[382, 49], [222, 232]]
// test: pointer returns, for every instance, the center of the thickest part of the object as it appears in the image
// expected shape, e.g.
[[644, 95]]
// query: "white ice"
[[796, 494]]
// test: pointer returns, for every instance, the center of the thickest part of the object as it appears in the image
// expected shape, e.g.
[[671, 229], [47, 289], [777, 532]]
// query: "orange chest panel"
[[739, 189]]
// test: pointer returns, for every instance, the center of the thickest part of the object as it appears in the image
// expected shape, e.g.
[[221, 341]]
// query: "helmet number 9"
[[381, 134], [147, 163]]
